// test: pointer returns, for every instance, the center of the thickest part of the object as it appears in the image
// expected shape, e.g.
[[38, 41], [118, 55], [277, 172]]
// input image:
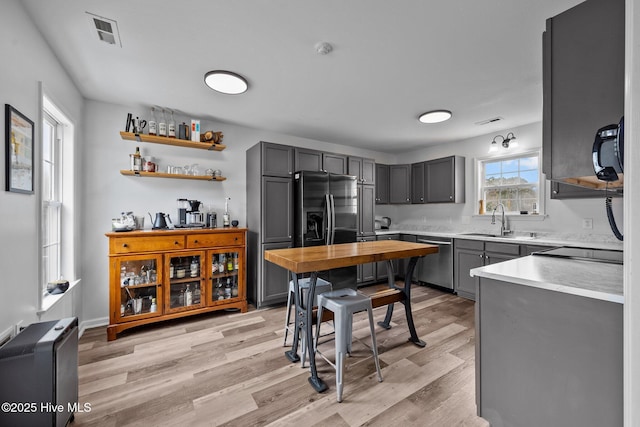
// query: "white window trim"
[[68, 223], [512, 215]]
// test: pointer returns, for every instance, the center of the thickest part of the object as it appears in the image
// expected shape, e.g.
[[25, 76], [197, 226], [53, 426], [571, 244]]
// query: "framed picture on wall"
[[19, 151]]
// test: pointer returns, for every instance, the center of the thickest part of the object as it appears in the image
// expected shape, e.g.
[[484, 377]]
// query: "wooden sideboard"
[[167, 274]]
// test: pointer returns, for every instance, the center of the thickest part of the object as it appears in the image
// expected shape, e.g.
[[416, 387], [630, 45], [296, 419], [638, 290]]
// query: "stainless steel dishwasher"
[[436, 269]]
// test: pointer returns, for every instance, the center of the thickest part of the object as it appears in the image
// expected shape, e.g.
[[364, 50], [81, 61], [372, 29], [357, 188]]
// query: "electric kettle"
[[160, 223]]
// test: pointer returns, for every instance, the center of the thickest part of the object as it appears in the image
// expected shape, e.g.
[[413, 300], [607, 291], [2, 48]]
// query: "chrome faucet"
[[503, 230]]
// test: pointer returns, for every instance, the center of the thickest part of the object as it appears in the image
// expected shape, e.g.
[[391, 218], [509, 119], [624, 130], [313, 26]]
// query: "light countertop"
[[543, 240], [590, 279]]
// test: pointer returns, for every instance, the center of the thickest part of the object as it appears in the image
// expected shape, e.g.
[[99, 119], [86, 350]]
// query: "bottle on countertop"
[[153, 122], [171, 128], [225, 216], [162, 124]]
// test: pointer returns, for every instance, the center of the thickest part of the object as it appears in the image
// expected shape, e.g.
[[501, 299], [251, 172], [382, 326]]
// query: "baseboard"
[[92, 323]]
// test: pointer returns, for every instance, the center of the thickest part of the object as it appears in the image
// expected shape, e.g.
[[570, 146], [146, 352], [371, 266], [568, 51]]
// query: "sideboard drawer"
[[196, 241], [129, 245]]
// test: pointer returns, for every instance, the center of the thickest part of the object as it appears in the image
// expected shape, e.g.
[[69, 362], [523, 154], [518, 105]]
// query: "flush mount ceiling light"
[[435, 116], [506, 142], [226, 82]]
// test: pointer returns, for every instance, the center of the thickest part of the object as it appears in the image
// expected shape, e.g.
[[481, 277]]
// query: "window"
[[513, 181], [51, 198], [57, 202]]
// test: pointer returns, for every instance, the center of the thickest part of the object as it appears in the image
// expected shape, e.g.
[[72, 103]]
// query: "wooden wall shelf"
[[172, 175], [130, 136]]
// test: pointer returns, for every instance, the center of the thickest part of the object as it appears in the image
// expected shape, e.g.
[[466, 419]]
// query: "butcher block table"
[[319, 258]]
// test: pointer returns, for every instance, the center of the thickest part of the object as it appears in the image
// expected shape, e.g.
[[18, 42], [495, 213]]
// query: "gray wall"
[[27, 60]]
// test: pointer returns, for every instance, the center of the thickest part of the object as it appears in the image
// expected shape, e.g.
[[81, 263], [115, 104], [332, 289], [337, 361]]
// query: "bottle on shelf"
[[194, 267], [229, 262], [154, 306], [223, 263], [196, 295], [171, 269], [227, 289], [235, 261], [214, 264], [188, 296], [136, 161], [171, 128], [234, 288], [219, 290], [153, 122], [162, 124], [181, 297]]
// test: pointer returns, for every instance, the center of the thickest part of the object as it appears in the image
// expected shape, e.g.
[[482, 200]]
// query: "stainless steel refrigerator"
[[326, 212]]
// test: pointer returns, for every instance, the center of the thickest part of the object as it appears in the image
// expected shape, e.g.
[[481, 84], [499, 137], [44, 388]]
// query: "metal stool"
[[303, 285], [344, 303]]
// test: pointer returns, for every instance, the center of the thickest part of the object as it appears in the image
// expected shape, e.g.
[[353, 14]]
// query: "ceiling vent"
[[486, 122], [106, 29]]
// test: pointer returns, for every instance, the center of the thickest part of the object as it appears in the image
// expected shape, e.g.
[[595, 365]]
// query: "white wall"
[[106, 192], [564, 216], [27, 60]]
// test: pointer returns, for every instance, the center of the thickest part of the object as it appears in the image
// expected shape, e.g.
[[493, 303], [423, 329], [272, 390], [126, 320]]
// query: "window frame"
[[479, 181], [48, 226]]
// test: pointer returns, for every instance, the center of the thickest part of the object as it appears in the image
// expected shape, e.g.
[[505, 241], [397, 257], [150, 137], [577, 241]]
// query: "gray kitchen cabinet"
[[399, 184], [366, 272], [334, 163], [547, 358], [381, 266], [444, 180], [469, 254], [366, 210], [277, 159], [269, 219], [363, 169], [307, 159], [417, 183], [277, 218], [274, 279], [382, 184], [583, 84]]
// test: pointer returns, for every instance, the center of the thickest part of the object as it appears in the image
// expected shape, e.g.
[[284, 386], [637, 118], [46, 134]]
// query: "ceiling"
[[391, 61]]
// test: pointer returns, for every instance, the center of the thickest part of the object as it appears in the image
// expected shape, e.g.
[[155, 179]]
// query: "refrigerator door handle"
[[327, 219], [333, 218]]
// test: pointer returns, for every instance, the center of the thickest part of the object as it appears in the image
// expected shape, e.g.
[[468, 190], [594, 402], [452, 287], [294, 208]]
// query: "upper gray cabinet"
[[399, 184], [583, 84], [438, 181], [444, 180], [308, 160], [417, 183], [277, 159], [334, 163], [363, 169], [382, 184]]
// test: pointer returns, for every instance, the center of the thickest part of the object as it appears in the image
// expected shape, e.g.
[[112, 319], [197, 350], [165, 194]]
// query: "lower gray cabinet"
[[366, 272], [381, 267], [470, 254], [274, 279]]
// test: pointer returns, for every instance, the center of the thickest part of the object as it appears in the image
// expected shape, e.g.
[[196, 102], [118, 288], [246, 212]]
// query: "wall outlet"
[[587, 223]]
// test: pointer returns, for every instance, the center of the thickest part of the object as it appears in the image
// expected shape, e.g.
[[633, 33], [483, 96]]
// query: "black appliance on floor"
[[39, 375]]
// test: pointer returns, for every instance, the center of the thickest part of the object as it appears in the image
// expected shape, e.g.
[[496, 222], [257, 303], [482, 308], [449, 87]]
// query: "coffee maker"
[[189, 215]]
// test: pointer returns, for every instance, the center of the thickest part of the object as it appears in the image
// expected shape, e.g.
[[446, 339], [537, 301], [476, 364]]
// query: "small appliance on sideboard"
[[39, 375]]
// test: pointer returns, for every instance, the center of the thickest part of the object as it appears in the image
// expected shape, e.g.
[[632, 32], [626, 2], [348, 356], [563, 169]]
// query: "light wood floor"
[[230, 369]]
